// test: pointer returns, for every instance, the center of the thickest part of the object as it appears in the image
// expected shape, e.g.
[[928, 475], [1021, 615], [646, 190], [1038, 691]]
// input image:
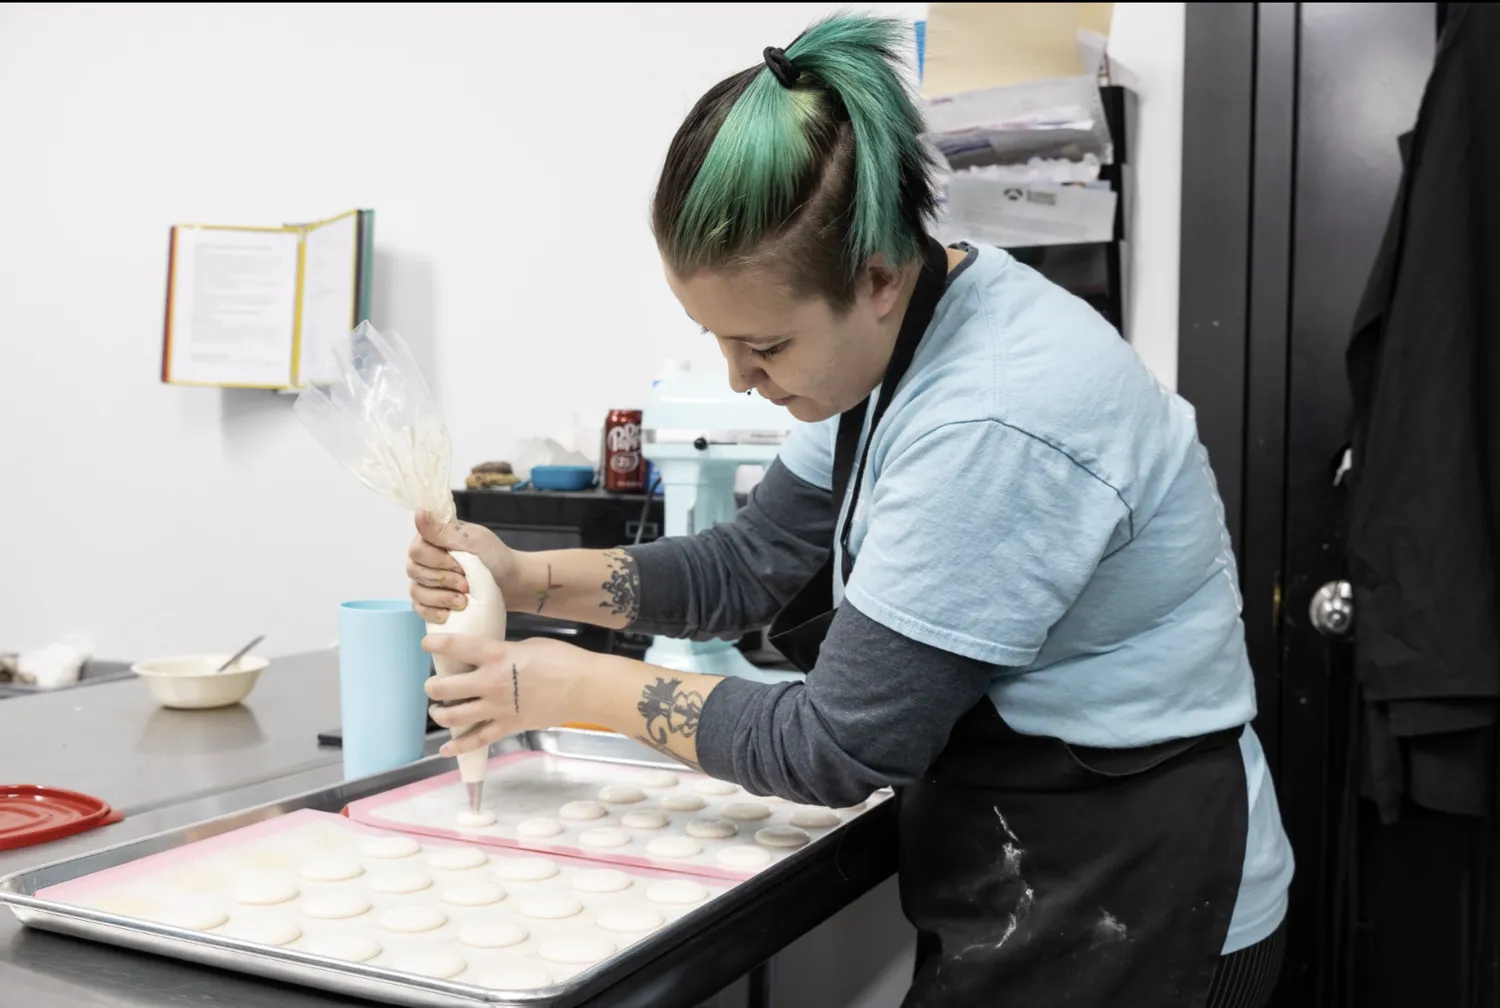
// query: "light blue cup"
[[382, 669]]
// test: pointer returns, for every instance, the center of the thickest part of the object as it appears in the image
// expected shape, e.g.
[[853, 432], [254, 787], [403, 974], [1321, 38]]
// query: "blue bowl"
[[562, 477]]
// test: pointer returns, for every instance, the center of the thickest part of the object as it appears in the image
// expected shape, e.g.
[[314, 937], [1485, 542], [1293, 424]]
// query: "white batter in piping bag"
[[380, 420], [484, 616]]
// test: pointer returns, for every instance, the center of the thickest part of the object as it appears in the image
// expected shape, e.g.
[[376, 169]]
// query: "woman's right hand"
[[438, 585]]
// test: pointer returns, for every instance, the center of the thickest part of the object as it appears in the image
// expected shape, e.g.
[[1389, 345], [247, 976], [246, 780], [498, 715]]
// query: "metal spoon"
[[240, 654]]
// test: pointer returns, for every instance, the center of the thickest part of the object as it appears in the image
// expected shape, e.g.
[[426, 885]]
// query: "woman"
[[1016, 602]]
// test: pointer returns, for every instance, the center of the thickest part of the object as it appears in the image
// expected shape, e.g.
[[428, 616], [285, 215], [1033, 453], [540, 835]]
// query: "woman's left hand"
[[539, 683], [514, 686]]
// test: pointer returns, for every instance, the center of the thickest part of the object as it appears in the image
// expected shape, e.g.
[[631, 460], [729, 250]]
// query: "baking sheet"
[[533, 786], [21, 892], [200, 879]]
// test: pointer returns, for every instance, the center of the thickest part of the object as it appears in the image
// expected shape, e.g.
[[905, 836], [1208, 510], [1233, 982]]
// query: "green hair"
[[819, 176]]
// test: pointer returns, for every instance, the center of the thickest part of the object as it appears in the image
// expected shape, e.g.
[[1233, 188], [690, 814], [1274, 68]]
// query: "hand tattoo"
[[546, 593], [515, 686], [669, 710], [623, 586]]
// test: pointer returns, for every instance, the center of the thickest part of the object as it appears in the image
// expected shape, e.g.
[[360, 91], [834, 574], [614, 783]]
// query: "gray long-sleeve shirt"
[[877, 708]]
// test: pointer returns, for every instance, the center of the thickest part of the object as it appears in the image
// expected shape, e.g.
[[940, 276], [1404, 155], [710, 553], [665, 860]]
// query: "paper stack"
[[1013, 106]]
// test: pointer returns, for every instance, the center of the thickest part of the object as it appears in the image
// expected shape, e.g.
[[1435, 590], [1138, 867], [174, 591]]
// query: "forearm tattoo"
[[623, 586], [515, 687], [669, 710], [546, 593]]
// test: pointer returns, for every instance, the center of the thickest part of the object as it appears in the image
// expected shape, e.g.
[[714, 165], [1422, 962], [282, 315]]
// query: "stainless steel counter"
[[112, 741], [171, 768], [53, 971]]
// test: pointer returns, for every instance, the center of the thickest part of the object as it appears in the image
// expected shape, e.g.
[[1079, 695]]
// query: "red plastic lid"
[[31, 815]]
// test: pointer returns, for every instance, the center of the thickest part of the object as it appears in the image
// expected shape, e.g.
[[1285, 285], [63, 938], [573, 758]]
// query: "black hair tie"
[[783, 69]]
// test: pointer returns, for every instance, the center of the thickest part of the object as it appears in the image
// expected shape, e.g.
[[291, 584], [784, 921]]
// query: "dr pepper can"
[[624, 468]]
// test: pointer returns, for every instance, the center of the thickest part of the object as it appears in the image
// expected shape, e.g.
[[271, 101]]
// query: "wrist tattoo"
[[669, 710], [515, 687], [623, 586], [546, 593]]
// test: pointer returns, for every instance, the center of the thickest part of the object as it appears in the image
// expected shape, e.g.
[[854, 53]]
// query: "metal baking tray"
[[375, 983]]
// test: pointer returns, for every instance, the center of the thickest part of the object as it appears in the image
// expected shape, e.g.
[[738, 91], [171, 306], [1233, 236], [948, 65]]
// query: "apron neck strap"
[[931, 283]]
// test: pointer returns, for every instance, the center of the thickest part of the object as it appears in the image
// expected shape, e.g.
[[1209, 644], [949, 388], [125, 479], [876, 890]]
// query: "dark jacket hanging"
[[1424, 487]]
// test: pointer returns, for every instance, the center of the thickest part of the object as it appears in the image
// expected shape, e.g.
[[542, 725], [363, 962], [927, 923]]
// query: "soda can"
[[624, 468]]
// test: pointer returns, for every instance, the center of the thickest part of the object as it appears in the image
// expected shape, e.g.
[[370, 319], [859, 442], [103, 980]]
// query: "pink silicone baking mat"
[[203, 886], [74, 889], [177, 857], [531, 785]]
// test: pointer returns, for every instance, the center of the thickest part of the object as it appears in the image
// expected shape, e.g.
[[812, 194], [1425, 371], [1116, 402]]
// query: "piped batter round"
[[262, 932], [334, 906], [332, 869], [456, 858], [581, 811], [549, 906], [674, 847], [813, 817], [191, 918], [391, 847], [621, 794], [629, 917], [400, 880], [711, 829], [603, 836], [526, 869], [781, 836], [711, 786], [492, 934], [686, 802], [472, 894], [538, 827], [645, 819], [600, 880], [412, 919], [656, 779], [475, 820], [747, 810], [743, 856], [263, 891]]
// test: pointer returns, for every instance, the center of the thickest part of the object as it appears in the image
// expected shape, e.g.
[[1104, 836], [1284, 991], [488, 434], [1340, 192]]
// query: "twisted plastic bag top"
[[380, 420]]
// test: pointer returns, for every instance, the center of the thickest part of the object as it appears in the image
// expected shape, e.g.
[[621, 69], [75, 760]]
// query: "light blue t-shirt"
[[1034, 498]]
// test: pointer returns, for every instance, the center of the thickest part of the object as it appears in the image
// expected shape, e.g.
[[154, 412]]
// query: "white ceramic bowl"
[[190, 681]]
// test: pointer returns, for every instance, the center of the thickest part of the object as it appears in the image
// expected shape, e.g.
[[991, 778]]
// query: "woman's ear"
[[883, 283]]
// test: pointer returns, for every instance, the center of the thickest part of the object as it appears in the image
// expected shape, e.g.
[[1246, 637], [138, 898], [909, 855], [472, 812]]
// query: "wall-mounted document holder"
[[1097, 270], [1035, 147], [260, 307], [1069, 226]]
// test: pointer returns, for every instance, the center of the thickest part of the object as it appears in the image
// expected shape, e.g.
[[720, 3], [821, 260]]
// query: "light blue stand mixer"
[[698, 433]]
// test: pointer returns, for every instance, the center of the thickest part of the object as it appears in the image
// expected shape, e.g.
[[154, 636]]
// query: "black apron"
[[1039, 873]]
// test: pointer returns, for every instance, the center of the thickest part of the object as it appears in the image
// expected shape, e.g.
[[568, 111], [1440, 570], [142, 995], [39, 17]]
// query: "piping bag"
[[379, 419], [484, 616]]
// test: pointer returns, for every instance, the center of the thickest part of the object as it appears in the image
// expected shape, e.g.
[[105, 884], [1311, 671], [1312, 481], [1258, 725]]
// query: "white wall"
[[1145, 46], [509, 151]]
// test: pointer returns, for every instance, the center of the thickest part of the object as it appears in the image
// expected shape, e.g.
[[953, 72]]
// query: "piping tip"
[[476, 795]]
